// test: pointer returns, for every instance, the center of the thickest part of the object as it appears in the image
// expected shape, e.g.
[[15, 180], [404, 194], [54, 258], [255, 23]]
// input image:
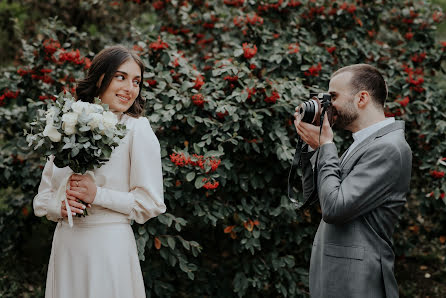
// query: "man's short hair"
[[368, 78]]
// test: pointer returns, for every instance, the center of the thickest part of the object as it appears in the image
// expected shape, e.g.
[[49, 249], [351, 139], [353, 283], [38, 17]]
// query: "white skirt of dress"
[[94, 261]]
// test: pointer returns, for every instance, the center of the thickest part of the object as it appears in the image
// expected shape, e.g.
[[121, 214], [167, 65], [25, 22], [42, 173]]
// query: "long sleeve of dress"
[[145, 199], [44, 203]]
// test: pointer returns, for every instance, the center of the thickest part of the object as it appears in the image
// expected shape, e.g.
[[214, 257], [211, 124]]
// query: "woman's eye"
[[136, 82], [120, 77]]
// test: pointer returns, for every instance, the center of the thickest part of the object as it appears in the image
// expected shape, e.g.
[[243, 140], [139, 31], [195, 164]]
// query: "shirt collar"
[[365, 132]]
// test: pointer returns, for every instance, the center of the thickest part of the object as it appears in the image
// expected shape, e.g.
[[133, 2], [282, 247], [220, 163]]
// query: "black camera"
[[310, 110]]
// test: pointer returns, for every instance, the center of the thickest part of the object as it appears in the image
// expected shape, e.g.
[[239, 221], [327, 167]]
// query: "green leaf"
[[199, 182], [238, 52], [190, 176], [171, 242]]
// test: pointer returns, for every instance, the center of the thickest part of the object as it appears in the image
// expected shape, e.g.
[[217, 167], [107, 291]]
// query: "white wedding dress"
[[98, 256]]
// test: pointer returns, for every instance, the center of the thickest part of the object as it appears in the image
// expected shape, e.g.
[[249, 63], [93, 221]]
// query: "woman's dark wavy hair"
[[106, 63]]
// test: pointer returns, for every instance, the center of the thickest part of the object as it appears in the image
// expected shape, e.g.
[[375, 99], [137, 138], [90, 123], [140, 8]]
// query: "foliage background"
[[222, 111]]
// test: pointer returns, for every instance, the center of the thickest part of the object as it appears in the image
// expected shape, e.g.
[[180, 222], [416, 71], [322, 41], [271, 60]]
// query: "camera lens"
[[308, 111]]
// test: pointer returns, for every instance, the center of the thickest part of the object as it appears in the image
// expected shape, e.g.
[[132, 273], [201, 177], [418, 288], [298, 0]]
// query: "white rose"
[[81, 106], [109, 119], [95, 120], [96, 108], [50, 116], [51, 132], [69, 121]]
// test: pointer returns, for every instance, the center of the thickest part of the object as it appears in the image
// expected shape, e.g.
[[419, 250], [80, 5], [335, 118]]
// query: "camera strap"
[[292, 174], [292, 196]]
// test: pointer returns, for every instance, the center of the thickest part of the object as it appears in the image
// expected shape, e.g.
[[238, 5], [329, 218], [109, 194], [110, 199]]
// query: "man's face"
[[342, 97]]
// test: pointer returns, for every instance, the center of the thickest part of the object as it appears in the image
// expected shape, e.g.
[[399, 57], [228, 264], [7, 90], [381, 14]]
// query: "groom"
[[362, 193]]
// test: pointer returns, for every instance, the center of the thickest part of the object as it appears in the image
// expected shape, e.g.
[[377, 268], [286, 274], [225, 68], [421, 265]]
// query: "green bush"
[[222, 80]]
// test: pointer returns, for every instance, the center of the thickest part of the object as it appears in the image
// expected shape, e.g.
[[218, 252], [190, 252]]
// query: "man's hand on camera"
[[310, 133]]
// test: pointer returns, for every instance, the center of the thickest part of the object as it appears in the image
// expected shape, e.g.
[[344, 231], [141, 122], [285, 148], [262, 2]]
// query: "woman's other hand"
[[75, 206], [82, 187]]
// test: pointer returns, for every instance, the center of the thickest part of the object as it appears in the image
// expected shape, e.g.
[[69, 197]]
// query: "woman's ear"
[[99, 83]]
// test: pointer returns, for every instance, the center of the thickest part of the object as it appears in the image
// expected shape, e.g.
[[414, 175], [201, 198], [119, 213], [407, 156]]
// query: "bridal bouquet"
[[78, 134]]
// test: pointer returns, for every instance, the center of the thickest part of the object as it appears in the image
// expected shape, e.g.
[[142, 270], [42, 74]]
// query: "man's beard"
[[346, 116]]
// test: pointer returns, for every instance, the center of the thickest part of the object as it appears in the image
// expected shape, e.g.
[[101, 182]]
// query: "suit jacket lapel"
[[383, 131], [341, 160], [361, 145]]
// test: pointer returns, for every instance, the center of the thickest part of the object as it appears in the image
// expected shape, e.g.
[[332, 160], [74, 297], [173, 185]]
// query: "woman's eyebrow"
[[123, 72]]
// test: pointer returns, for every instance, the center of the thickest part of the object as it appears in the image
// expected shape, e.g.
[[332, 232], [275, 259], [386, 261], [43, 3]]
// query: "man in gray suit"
[[362, 193]]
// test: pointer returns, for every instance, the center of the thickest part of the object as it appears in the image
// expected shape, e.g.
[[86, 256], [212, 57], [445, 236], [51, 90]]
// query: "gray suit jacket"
[[361, 198]]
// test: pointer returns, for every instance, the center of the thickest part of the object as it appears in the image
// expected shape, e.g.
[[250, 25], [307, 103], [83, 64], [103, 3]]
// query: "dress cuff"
[[54, 209], [122, 202], [98, 199]]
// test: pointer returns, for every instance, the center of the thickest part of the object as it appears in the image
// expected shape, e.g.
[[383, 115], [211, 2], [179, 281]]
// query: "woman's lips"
[[123, 98]]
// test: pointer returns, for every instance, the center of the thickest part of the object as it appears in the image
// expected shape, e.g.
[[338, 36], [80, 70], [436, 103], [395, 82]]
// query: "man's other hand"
[[310, 133]]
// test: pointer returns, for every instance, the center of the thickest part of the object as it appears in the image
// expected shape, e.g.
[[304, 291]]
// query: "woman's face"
[[123, 88]]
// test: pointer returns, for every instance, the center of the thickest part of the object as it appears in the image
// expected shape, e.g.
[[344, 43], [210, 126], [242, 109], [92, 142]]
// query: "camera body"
[[310, 111]]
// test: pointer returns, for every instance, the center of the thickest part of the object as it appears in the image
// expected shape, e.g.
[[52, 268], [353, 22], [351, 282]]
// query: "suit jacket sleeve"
[[145, 199], [307, 173], [364, 188]]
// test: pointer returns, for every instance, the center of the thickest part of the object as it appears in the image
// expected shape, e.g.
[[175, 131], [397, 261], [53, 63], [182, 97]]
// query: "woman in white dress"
[[98, 256]]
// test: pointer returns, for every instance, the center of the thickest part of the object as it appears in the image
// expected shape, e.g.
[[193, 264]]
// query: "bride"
[[98, 257]]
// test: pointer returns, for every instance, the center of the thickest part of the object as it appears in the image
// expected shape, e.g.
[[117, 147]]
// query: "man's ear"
[[364, 98], [99, 83]]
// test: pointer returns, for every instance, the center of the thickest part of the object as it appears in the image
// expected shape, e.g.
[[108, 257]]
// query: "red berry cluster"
[[234, 2], [158, 45], [198, 100], [313, 71], [152, 83], [8, 94], [293, 48], [415, 78], [199, 82], [181, 160], [404, 102], [74, 57], [437, 174], [249, 52], [210, 185], [231, 79], [273, 98]]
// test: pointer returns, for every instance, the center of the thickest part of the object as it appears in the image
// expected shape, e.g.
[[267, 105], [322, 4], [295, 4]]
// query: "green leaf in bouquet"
[[67, 146], [74, 152], [97, 137], [107, 152], [98, 101], [39, 144], [83, 139], [109, 133], [84, 129]]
